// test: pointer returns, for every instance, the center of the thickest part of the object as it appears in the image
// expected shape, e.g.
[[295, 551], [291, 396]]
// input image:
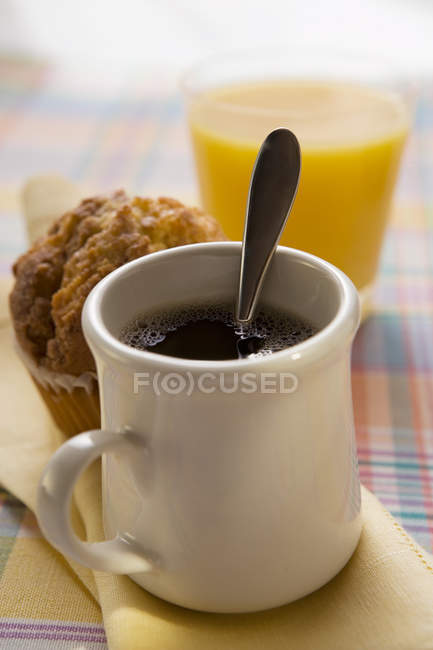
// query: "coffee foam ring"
[[278, 329]]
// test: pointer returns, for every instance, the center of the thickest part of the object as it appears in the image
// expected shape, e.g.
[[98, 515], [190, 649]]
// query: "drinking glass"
[[352, 123]]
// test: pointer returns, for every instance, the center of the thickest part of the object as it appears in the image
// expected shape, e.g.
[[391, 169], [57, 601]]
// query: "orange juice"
[[351, 139]]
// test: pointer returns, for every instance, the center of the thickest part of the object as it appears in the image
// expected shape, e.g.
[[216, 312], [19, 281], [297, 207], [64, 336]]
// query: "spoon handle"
[[273, 187]]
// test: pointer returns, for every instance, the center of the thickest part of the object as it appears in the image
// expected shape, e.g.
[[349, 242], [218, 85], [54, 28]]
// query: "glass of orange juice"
[[351, 125]]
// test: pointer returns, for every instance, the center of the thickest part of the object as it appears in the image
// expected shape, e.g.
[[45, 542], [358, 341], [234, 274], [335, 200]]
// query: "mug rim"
[[342, 326]]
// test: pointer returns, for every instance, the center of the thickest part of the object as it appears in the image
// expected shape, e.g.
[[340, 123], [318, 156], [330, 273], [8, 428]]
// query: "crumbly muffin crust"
[[56, 275]]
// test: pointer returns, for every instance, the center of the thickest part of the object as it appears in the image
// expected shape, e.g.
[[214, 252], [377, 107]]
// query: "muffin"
[[53, 279]]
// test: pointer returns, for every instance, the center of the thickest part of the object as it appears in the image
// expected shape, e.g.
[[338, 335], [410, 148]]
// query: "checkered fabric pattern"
[[132, 134]]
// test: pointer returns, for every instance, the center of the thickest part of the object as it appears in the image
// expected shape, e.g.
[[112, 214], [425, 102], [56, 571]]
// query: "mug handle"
[[120, 555]]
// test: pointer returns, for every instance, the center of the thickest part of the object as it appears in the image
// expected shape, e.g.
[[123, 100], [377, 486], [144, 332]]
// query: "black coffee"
[[211, 333]]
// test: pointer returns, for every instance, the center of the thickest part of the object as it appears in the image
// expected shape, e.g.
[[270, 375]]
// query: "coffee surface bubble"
[[212, 332]]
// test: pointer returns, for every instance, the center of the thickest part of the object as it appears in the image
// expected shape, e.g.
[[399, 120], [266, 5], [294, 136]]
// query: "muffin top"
[[53, 279]]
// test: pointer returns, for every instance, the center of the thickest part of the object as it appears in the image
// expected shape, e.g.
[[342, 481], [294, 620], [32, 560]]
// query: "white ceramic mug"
[[218, 499]]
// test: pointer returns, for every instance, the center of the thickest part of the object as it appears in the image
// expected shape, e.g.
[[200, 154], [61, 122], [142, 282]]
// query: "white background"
[[171, 33]]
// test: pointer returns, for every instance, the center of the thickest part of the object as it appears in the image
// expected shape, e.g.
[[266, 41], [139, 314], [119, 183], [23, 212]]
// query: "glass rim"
[[390, 84]]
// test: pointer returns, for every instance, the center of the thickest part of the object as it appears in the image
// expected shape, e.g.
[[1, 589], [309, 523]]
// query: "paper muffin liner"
[[73, 401], [73, 411]]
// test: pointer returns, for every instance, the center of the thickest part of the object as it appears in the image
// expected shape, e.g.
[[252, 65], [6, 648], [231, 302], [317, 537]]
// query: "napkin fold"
[[382, 599]]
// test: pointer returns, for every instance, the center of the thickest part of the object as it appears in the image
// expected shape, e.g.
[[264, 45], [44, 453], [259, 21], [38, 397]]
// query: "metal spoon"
[[273, 187]]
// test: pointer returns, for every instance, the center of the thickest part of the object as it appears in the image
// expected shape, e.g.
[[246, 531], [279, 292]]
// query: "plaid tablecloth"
[[130, 132]]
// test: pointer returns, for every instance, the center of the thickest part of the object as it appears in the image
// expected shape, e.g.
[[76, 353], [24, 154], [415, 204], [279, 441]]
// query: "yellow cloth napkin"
[[382, 600]]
